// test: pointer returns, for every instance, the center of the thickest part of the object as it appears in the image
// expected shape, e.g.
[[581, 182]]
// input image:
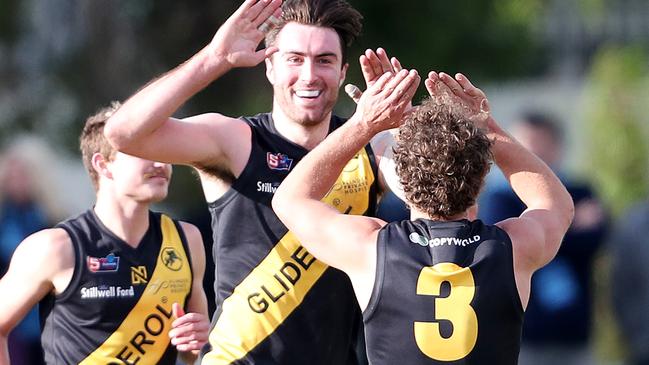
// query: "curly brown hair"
[[442, 159], [92, 140], [336, 14]]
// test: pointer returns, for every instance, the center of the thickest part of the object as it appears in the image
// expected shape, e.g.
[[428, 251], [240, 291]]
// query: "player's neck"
[[128, 220], [307, 136], [416, 214]]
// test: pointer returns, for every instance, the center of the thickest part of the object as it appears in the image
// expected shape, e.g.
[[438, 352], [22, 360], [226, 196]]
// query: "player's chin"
[[154, 196]]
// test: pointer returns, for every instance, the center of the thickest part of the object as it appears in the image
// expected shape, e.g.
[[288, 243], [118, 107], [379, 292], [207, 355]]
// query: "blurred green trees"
[[616, 123]]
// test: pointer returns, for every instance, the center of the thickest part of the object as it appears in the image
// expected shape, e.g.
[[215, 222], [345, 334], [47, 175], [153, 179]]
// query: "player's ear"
[[270, 70], [100, 164]]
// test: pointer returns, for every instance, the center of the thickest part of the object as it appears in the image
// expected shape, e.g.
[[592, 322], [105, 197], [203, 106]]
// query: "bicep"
[[346, 242], [203, 139]]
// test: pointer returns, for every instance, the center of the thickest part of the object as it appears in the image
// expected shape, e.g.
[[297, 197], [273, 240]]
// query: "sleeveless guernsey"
[[277, 304], [117, 307], [444, 293]]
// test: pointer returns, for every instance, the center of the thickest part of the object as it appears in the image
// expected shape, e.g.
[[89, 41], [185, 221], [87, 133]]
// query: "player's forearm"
[[322, 166], [154, 104], [530, 178]]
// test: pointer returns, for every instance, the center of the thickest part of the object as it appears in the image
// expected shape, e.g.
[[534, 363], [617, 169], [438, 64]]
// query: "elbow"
[[566, 212], [115, 134]]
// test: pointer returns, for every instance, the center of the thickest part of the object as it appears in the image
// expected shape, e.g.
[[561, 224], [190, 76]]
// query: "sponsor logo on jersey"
[[266, 187], [441, 241], [107, 291], [175, 286], [171, 259], [109, 263], [278, 161], [139, 275]]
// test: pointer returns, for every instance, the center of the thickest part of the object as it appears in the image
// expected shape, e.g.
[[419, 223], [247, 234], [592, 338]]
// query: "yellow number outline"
[[456, 308]]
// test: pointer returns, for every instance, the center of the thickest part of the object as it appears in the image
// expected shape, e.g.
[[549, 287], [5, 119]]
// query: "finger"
[[431, 83], [253, 11], [386, 66], [267, 14], [407, 89], [451, 83], [243, 9], [392, 85], [403, 88], [177, 310], [190, 346], [354, 92], [366, 69], [468, 86], [440, 87], [374, 61], [396, 65], [380, 84]]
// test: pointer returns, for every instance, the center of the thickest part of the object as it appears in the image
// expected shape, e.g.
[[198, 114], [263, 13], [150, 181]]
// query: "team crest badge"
[[278, 161], [171, 259], [109, 263]]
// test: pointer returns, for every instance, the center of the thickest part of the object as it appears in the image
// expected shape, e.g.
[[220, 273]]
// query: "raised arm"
[[537, 233], [373, 65], [189, 332], [41, 264], [143, 125], [343, 241]]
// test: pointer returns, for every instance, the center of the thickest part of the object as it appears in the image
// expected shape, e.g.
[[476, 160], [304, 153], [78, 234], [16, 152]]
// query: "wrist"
[[213, 63]]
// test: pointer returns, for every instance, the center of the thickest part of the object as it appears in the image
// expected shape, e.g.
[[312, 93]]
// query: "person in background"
[[558, 319], [114, 282], [628, 244], [21, 214]]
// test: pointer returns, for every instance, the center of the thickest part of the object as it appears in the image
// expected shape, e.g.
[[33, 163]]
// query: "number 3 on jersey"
[[455, 308]]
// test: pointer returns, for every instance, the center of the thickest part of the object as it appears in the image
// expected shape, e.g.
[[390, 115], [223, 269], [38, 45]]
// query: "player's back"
[[445, 293]]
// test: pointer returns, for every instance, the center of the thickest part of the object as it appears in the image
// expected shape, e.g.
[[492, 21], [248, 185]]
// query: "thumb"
[[177, 310], [354, 92]]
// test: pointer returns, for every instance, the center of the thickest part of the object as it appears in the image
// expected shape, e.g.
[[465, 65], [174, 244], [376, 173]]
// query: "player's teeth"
[[307, 93]]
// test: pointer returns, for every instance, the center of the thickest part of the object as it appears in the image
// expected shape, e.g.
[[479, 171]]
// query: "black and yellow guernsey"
[[117, 307], [444, 293], [277, 304]]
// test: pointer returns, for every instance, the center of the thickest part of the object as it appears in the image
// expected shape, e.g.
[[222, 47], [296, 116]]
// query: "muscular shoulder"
[[47, 253], [54, 244]]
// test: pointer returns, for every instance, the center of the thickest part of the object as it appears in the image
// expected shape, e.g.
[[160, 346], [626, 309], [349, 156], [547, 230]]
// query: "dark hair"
[[92, 140], [543, 121], [336, 14], [442, 159]]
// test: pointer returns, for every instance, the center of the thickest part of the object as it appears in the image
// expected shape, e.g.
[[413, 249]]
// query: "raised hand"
[[189, 332], [374, 64], [460, 90], [237, 39], [382, 105]]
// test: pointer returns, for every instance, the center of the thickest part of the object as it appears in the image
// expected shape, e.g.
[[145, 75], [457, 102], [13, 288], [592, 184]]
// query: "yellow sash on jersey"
[[270, 293], [143, 336]]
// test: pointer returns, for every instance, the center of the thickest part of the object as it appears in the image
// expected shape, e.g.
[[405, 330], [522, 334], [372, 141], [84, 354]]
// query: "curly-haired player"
[[440, 287]]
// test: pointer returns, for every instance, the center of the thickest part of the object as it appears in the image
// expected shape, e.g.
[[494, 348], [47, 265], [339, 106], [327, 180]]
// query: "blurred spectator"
[[558, 317], [25, 208], [629, 246]]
